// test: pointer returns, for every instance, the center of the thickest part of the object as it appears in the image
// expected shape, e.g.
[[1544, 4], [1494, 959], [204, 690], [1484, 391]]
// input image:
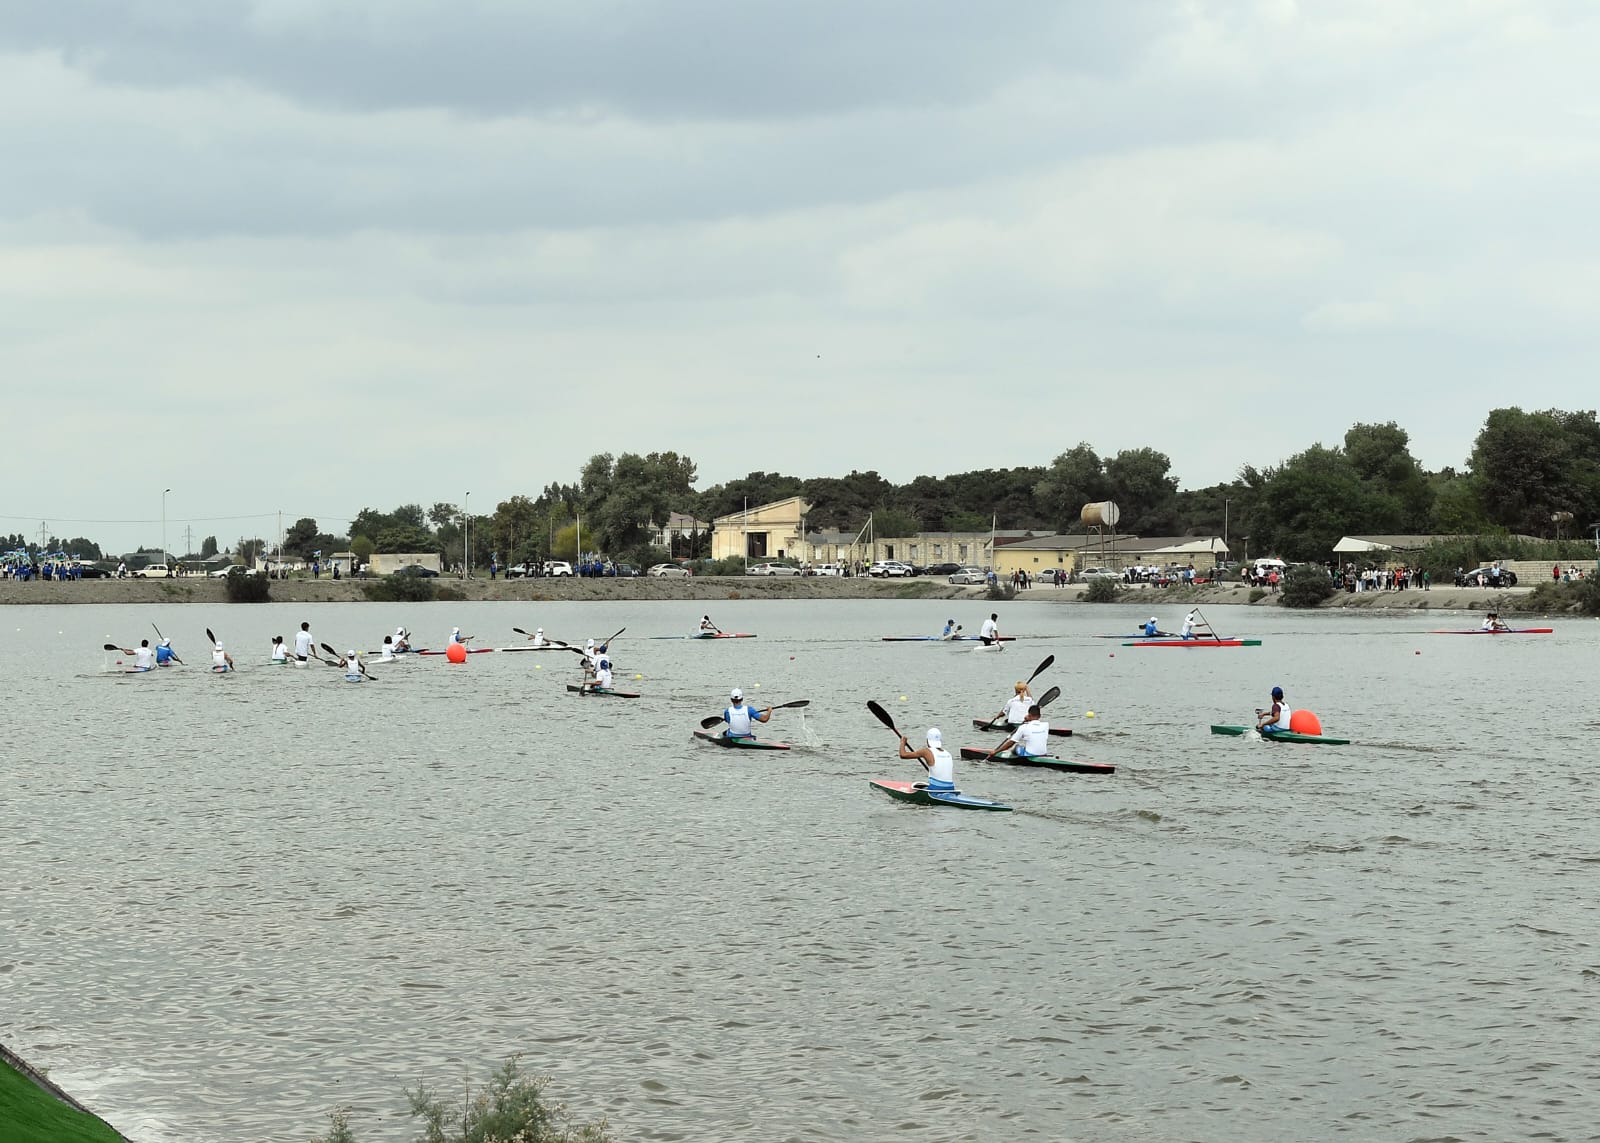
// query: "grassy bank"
[[30, 1114]]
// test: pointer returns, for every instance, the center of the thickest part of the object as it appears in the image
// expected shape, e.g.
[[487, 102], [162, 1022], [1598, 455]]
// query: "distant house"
[[1076, 551], [772, 531], [679, 525]]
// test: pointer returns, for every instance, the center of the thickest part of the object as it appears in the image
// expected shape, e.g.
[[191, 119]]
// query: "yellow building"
[[765, 532], [1071, 553]]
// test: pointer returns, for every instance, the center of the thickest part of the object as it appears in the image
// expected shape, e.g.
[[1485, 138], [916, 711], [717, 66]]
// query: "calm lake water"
[[232, 904]]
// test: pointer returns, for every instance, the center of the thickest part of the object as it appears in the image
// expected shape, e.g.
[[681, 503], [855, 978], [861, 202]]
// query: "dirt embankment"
[[324, 590]]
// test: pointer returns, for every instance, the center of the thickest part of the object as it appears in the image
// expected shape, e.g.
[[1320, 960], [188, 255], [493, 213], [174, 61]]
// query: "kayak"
[[709, 635], [355, 678], [220, 670], [470, 651], [1281, 735], [1195, 643], [575, 689], [740, 743], [1507, 631], [1044, 761], [545, 647], [986, 647], [983, 724], [942, 639], [1142, 635], [919, 795]]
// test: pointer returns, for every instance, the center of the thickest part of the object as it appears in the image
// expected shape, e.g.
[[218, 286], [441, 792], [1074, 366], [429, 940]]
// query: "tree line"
[[1535, 473]]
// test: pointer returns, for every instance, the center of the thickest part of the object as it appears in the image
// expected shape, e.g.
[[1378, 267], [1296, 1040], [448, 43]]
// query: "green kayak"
[[740, 743], [1282, 735]]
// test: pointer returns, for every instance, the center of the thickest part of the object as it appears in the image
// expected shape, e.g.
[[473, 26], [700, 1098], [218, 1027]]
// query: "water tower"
[[1101, 517]]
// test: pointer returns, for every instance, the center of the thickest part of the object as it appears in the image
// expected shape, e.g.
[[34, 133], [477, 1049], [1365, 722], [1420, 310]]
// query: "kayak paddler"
[[1031, 739], [304, 647], [164, 653], [220, 660], [941, 766], [990, 631], [1275, 717], [741, 719], [402, 641], [950, 629], [1015, 712], [1493, 622], [280, 651], [457, 637], [706, 626], [386, 652], [1189, 622], [352, 665], [143, 658], [1151, 627], [602, 677], [537, 637]]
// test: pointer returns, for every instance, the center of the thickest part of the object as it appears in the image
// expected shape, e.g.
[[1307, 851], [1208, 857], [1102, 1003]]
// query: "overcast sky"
[[319, 255]]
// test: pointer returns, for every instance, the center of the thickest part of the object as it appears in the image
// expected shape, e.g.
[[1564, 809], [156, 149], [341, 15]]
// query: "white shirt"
[[143, 657], [219, 658], [741, 719], [1033, 737], [944, 766], [302, 644], [602, 678], [989, 629], [280, 653], [1017, 709], [352, 665], [539, 640], [388, 653], [1188, 625]]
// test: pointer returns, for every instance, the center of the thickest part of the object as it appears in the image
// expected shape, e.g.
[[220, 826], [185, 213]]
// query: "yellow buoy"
[[1088, 714], [902, 698]]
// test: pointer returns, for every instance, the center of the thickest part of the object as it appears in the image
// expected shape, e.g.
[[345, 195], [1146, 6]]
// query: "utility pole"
[[188, 539]]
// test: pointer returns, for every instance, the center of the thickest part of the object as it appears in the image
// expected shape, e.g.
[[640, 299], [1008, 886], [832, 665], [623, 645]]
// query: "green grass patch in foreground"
[[31, 1115]]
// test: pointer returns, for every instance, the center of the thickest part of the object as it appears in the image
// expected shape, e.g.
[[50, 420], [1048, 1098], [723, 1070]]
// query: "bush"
[[1000, 592], [1549, 596], [733, 565], [511, 1108], [1257, 593], [400, 589], [1306, 585], [246, 588], [1102, 590]]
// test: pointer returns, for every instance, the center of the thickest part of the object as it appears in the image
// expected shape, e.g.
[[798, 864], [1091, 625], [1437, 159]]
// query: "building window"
[[756, 546]]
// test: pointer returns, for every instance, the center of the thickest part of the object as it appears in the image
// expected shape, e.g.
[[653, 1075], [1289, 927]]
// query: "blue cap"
[[1277, 692]]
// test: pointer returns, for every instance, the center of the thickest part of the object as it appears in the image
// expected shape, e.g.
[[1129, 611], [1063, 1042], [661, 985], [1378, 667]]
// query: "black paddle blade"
[[1042, 667], [113, 647], [882, 715], [708, 723], [520, 631], [795, 703], [1049, 697], [332, 653], [210, 636]]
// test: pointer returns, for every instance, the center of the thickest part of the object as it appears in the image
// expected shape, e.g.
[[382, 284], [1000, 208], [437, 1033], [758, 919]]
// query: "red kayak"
[[1195, 643], [985, 724]]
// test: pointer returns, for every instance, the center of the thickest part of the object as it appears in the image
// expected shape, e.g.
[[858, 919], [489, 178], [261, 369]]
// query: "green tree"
[[1138, 480], [301, 538], [1308, 503], [756, 488], [518, 528], [626, 498], [1073, 479], [1529, 466], [842, 502], [362, 548], [892, 522], [208, 547], [1401, 490]]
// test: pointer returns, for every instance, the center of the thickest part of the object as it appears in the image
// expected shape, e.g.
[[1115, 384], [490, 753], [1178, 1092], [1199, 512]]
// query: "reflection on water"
[[233, 903]]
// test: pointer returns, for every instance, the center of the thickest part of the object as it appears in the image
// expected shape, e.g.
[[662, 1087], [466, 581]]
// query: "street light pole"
[[466, 526], [1225, 504], [164, 525]]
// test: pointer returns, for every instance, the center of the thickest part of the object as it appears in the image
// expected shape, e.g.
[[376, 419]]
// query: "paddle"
[[1208, 626], [210, 636], [713, 626], [1037, 671], [550, 641], [883, 717], [607, 644], [340, 662], [708, 723], [1045, 700], [114, 647]]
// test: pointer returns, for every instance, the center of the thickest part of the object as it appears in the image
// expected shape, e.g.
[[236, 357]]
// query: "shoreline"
[[214, 592]]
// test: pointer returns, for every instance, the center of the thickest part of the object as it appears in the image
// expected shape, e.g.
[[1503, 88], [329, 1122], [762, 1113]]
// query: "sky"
[[311, 256]]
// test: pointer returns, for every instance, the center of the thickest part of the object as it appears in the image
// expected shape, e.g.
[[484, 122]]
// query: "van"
[[153, 571], [827, 569]]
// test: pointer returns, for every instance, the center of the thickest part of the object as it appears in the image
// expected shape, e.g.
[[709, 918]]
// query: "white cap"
[[736, 693], [1153, 619], [168, 643], [934, 737], [400, 631], [351, 653], [538, 630], [455, 630], [219, 646]]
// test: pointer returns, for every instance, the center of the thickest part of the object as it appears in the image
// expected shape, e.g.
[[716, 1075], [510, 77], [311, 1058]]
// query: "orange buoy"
[[1304, 722], [456, 653]]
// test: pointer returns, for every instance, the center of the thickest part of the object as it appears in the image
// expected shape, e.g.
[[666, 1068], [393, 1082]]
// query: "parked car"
[[970, 575], [557, 567], [1100, 573], [941, 569], [664, 571], [1496, 576], [153, 571], [522, 570], [624, 571], [222, 573], [771, 569], [825, 569], [89, 571], [885, 569], [415, 570]]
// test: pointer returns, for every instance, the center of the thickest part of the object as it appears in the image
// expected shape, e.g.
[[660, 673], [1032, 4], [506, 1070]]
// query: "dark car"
[[1495, 577], [526, 568], [416, 570], [941, 569], [624, 571], [89, 571]]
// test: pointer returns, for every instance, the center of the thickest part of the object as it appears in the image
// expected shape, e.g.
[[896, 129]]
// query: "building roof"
[[1123, 545], [686, 520], [739, 517]]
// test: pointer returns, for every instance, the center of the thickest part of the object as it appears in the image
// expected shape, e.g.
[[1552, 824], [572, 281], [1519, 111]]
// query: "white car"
[[222, 573], [771, 569], [827, 569], [970, 575], [557, 567], [662, 571], [153, 571], [885, 568], [1100, 573]]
